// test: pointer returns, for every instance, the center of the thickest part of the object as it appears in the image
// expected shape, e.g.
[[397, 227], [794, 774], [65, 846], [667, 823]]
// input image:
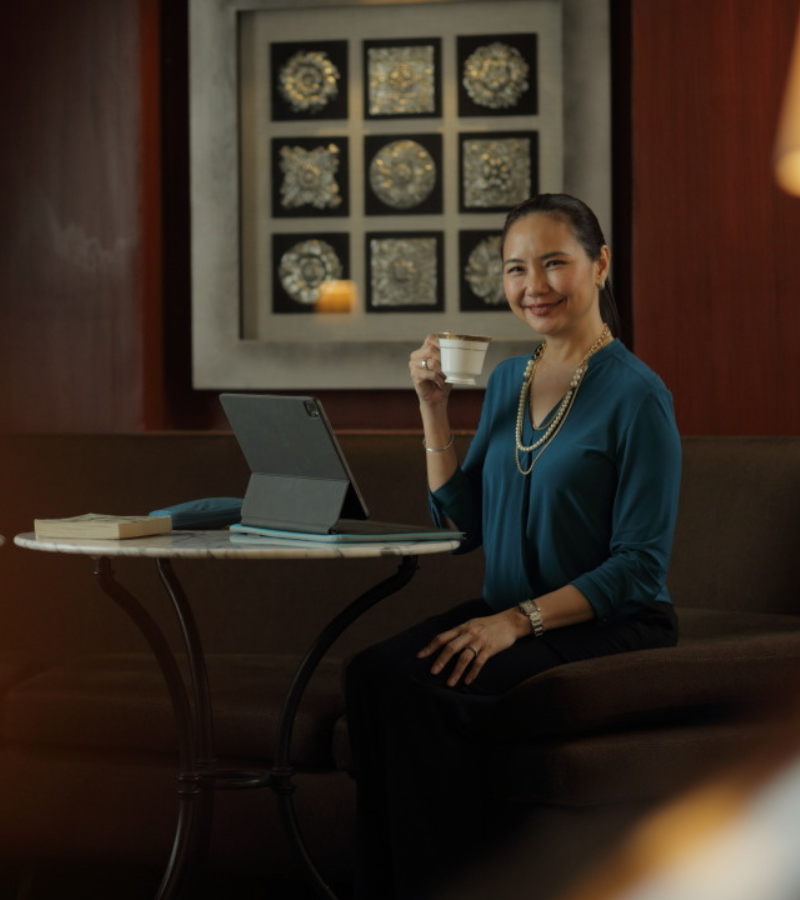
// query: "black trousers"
[[418, 744]]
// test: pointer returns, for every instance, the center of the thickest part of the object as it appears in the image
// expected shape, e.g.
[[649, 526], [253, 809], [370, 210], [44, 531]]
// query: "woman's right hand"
[[426, 373]]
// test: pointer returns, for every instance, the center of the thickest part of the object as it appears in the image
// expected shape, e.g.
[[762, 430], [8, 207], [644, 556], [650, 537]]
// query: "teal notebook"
[[404, 533]]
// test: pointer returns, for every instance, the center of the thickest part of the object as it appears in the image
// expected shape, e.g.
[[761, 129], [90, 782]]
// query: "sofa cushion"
[[120, 702], [704, 625], [669, 686], [627, 766], [617, 767]]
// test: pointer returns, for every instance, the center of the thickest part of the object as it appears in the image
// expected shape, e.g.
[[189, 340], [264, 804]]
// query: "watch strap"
[[530, 608]]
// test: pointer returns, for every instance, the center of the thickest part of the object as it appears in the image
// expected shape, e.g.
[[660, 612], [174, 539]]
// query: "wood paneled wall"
[[715, 282], [94, 274], [80, 303]]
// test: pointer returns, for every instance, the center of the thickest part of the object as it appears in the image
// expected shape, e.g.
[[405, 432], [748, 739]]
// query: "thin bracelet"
[[447, 446]]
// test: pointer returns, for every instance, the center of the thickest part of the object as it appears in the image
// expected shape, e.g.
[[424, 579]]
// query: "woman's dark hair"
[[586, 231]]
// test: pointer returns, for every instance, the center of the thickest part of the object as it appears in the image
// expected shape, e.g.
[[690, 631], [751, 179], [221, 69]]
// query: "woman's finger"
[[465, 662], [438, 642]]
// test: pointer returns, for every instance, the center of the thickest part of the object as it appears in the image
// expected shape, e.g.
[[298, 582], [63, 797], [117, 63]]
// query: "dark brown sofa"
[[87, 750]]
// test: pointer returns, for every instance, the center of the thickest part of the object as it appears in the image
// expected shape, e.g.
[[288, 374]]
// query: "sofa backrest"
[[736, 543], [734, 548]]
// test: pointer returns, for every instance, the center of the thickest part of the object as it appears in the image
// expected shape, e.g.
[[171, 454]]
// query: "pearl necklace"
[[564, 407]]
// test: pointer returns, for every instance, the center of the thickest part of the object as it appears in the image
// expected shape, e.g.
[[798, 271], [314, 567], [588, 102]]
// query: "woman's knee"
[[385, 667]]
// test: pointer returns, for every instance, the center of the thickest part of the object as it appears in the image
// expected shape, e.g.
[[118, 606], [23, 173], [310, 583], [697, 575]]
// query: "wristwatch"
[[530, 608]]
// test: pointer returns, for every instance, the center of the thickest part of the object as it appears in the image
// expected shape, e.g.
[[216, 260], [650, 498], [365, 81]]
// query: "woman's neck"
[[563, 349]]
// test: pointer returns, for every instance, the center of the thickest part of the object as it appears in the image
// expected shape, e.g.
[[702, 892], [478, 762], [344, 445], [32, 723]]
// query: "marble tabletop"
[[224, 545]]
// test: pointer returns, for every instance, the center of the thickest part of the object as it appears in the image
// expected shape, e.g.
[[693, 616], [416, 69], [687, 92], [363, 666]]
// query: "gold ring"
[[424, 363], [474, 651]]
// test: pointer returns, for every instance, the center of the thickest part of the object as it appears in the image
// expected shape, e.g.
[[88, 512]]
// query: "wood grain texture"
[[715, 286]]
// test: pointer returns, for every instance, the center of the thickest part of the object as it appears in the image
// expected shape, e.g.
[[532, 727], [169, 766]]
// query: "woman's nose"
[[536, 282]]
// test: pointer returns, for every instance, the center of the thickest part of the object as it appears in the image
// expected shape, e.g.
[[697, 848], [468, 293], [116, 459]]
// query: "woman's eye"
[[553, 263]]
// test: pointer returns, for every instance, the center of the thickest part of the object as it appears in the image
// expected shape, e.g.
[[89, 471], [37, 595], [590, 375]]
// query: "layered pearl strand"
[[564, 407]]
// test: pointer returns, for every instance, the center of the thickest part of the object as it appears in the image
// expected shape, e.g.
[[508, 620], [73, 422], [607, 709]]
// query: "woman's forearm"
[[440, 451], [565, 606]]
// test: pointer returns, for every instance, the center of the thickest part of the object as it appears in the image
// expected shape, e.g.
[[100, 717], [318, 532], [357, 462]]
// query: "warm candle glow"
[[336, 297], [787, 145]]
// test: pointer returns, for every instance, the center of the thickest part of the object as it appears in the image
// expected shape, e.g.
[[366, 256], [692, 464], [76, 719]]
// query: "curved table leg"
[[190, 794], [204, 759], [198, 777], [282, 771]]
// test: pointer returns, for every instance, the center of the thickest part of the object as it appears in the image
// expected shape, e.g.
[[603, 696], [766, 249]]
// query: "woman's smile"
[[541, 308]]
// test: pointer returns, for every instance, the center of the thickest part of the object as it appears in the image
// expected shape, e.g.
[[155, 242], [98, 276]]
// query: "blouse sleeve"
[[644, 514], [459, 499]]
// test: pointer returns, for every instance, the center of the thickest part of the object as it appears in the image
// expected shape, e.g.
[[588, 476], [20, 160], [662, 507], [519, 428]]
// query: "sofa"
[[87, 741]]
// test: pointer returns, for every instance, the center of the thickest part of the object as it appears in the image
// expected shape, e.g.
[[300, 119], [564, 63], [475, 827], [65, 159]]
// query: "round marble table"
[[198, 777], [228, 545]]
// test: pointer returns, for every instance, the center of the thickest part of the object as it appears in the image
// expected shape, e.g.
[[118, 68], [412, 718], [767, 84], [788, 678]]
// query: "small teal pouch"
[[209, 512]]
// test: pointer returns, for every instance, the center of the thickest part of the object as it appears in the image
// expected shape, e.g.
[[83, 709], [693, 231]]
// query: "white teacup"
[[462, 356]]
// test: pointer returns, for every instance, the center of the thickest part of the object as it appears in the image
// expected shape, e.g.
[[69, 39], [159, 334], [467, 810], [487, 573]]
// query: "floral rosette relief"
[[309, 177], [496, 76], [402, 174], [496, 172], [309, 81], [404, 272], [305, 265], [401, 80], [484, 272]]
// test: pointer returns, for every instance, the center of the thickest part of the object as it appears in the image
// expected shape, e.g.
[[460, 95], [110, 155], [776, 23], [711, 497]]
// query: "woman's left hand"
[[475, 642]]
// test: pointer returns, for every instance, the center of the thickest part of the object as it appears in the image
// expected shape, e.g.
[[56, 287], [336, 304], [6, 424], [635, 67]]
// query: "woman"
[[571, 487]]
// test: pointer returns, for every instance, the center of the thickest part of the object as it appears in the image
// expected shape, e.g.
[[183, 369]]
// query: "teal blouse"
[[598, 510]]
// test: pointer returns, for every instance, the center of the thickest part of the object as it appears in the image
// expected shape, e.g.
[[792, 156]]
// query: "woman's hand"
[[475, 642], [426, 373]]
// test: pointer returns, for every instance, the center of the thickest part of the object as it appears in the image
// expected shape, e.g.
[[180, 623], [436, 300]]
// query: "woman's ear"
[[603, 264]]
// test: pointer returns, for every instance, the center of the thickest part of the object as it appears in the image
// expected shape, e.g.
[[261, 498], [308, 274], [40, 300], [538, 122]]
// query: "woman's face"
[[549, 281]]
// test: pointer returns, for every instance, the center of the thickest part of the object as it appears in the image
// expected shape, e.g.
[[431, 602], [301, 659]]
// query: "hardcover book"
[[99, 525]]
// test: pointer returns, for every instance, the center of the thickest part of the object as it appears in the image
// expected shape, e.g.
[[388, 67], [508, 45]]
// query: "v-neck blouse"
[[598, 509]]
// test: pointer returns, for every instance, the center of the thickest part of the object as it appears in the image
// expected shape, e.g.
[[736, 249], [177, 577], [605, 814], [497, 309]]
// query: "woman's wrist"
[[519, 622]]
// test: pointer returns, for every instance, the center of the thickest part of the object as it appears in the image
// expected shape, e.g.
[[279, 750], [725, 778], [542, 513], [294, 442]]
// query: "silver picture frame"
[[236, 342]]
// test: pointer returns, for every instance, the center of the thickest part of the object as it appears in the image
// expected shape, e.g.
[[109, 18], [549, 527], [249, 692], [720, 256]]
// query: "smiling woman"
[[568, 227], [576, 549]]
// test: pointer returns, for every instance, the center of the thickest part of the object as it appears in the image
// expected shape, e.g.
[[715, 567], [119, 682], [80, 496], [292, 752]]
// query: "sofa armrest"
[[649, 688]]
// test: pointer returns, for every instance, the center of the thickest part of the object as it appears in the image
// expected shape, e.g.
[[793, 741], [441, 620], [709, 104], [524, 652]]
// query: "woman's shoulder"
[[628, 370]]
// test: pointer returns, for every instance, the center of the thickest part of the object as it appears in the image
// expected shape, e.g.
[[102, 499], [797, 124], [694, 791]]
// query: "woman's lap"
[[394, 661]]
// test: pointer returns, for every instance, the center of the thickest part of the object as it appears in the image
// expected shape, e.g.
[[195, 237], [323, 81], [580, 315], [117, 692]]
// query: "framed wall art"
[[402, 78], [405, 272], [380, 144], [496, 170], [481, 271], [302, 263], [309, 80], [310, 177], [498, 75], [402, 174]]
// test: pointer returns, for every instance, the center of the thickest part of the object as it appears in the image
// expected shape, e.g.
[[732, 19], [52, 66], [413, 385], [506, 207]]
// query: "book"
[[404, 533], [100, 525]]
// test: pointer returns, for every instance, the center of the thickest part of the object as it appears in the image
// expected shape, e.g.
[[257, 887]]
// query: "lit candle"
[[336, 297]]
